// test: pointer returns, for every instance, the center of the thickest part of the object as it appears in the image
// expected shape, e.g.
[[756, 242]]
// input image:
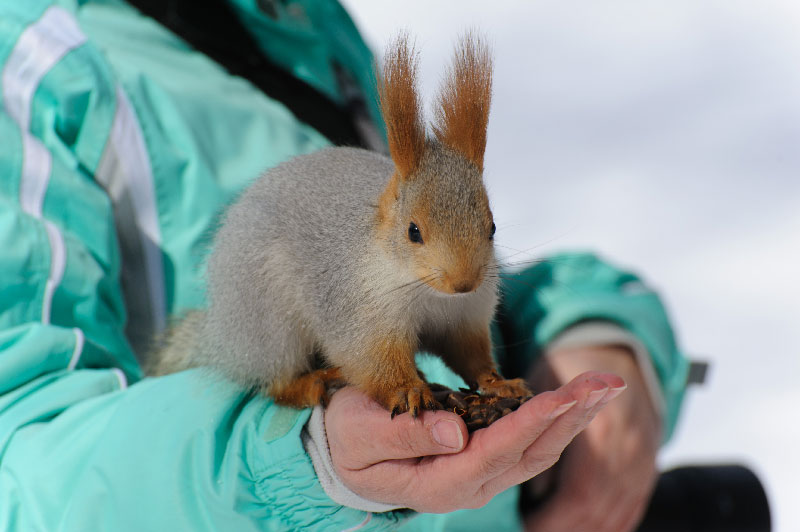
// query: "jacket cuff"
[[315, 441]]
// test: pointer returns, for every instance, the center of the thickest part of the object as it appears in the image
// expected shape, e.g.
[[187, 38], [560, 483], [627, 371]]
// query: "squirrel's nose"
[[462, 287]]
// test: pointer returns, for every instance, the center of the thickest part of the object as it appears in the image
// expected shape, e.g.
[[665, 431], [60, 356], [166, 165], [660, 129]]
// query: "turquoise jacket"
[[119, 147]]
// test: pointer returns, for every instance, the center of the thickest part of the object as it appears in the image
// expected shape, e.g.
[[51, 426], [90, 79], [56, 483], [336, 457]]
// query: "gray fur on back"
[[297, 268]]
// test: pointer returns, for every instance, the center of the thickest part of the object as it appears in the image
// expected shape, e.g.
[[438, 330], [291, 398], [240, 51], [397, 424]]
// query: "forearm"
[[184, 452]]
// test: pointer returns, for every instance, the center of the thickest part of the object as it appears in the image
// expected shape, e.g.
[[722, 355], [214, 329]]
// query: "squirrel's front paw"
[[410, 398], [496, 385]]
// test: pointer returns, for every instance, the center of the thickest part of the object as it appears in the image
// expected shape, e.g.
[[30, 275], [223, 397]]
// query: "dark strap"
[[698, 370], [212, 27]]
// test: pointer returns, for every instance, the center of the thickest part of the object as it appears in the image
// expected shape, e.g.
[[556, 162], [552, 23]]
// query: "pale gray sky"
[[665, 136]]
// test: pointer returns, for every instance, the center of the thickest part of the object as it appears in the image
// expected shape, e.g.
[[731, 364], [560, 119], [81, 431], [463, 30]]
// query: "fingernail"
[[613, 393], [448, 434], [561, 409], [594, 397]]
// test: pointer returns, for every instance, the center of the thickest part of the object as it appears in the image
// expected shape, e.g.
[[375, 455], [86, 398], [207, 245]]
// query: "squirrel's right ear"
[[400, 106]]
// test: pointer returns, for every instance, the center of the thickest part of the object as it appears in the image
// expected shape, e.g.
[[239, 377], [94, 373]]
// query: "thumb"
[[362, 433], [433, 432]]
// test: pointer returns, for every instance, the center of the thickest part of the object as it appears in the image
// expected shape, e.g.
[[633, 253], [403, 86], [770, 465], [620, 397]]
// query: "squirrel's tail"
[[176, 348]]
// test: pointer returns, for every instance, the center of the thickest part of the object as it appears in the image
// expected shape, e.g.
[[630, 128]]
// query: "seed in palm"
[[477, 410]]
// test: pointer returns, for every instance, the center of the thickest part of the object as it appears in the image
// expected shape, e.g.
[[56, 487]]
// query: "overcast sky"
[[665, 136]]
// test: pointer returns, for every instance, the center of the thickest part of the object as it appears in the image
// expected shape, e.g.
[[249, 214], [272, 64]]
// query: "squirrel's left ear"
[[462, 113]]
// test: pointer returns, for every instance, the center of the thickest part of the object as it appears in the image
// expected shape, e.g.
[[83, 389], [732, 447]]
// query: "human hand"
[[399, 461], [606, 476]]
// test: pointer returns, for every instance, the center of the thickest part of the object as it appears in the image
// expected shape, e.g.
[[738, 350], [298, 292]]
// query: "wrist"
[[570, 362], [315, 442]]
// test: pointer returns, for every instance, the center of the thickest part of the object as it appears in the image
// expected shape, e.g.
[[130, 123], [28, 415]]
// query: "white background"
[[665, 136]]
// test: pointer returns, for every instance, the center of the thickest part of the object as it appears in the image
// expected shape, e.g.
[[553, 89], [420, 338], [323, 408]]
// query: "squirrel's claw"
[[412, 399], [433, 404], [515, 388]]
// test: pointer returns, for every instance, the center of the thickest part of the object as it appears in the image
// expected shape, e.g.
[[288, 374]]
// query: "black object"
[[213, 28], [698, 372], [722, 498], [718, 498]]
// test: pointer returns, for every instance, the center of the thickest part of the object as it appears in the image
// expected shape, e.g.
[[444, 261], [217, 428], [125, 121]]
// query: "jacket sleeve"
[[85, 443], [572, 290], [182, 452]]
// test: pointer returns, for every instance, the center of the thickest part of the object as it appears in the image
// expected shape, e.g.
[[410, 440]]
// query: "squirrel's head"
[[435, 211]]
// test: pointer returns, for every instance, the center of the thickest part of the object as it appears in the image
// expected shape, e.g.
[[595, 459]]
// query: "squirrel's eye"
[[414, 234], [491, 233]]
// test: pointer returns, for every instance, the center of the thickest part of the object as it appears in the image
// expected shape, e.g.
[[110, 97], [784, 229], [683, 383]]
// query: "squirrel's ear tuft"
[[465, 96], [400, 106]]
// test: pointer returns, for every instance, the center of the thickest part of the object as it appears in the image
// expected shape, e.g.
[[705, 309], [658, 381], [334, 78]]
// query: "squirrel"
[[336, 267]]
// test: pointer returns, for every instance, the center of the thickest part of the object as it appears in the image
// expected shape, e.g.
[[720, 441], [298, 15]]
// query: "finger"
[[634, 500], [605, 509], [487, 450], [362, 433], [561, 515], [612, 504], [605, 480], [494, 450], [592, 392], [514, 433], [599, 390], [593, 508], [621, 468], [468, 469], [634, 516], [581, 502]]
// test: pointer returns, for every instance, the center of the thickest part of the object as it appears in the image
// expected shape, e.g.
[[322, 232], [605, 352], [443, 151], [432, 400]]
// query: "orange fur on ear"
[[400, 106], [464, 100]]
